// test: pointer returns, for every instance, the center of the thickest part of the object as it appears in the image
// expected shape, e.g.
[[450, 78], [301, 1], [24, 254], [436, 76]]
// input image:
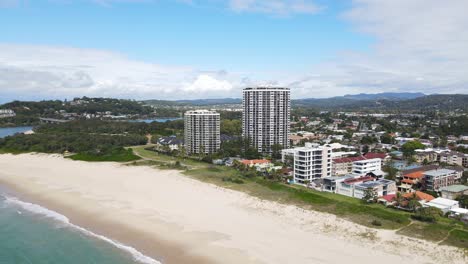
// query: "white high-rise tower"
[[265, 117], [202, 131]]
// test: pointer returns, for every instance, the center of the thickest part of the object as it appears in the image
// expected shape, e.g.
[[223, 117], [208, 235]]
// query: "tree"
[[387, 139], [369, 195], [276, 151], [398, 198], [409, 148]]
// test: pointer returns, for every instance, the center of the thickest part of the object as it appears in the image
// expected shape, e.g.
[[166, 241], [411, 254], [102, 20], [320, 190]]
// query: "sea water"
[[10, 131], [33, 234]]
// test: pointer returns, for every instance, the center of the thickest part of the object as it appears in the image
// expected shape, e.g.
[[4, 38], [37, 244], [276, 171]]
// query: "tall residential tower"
[[265, 117], [202, 132]]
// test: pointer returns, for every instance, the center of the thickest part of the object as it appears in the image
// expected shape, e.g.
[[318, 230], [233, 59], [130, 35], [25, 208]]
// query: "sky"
[[192, 49]]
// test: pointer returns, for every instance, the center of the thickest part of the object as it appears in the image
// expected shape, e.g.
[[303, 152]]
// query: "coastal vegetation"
[[449, 231]]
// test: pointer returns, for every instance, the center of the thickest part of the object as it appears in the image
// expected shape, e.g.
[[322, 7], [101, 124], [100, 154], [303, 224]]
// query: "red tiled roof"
[[348, 159], [414, 175], [419, 196], [260, 161], [408, 181], [374, 155], [389, 197]]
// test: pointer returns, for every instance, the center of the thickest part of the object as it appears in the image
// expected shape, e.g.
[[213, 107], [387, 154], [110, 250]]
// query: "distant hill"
[[357, 102], [384, 96]]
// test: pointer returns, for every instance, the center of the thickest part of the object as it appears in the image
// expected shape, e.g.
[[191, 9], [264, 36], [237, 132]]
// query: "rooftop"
[[419, 196], [440, 172], [454, 188], [442, 202]]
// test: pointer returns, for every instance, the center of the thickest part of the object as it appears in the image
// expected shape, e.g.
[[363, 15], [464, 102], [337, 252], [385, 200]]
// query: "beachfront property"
[[309, 162], [365, 166], [343, 166], [4, 113], [445, 205], [261, 165], [453, 191], [266, 117], [171, 142], [356, 186], [201, 131], [436, 179]]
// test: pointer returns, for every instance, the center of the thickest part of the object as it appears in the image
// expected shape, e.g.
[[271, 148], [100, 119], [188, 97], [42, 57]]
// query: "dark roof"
[[172, 140]]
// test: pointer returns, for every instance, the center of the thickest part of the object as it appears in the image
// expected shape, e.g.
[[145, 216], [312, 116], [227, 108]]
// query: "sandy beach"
[[175, 219]]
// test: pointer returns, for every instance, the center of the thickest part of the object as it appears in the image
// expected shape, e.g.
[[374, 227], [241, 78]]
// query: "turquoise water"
[[9, 131], [32, 234]]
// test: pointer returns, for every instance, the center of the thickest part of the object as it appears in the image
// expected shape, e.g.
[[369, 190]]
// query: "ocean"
[[9, 131], [33, 234]]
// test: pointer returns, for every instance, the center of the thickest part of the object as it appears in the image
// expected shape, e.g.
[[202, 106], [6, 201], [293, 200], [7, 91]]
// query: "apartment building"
[[356, 186], [266, 116], [343, 166], [454, 158], [310, 162], [361, 167], [435, 179], [202, 131]]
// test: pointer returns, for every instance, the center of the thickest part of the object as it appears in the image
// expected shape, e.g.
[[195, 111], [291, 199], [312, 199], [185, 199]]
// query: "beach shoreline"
[[119, 202]]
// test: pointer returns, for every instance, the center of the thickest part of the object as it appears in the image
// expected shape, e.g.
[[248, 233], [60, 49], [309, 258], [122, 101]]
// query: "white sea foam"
[[37, 209]]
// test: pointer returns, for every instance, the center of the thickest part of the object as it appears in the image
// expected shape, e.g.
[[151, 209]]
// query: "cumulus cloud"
[[205, 83], [68, 72]]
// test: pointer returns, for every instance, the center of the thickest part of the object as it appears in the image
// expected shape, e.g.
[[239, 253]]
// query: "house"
[[4, 113], [387, 199], [259, 164], [453, 191], [435, 179], [411, 181], [329, 184], [172, 142], [443, 204], [420, 196]]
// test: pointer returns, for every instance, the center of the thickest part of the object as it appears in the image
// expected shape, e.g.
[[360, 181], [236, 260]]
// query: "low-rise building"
[[343, 166], [361, 167], [453, 191], [356, 187], [435, 179], [172, 142], [453, 158], [445, 205]]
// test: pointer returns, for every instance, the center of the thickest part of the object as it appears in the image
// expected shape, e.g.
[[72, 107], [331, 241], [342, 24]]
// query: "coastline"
[[162, 222]]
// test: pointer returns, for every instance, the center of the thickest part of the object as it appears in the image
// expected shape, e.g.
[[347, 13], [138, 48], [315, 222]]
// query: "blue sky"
[[211, 48]]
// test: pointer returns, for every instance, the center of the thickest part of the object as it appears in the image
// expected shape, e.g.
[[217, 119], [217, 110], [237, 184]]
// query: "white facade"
[[266, 116], [6, 113], [310, 162], [202, 131], [365, 166]]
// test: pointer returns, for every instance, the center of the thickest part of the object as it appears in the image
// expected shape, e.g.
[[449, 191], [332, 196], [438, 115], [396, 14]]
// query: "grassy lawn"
[[458, 238], [162, 158], [428, 231]]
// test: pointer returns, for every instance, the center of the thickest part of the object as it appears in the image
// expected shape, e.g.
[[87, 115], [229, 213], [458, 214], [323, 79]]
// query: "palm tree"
[[398, 198]]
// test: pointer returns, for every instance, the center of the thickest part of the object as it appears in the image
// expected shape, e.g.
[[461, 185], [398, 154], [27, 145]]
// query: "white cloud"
[[205, 83], [43, 71]]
